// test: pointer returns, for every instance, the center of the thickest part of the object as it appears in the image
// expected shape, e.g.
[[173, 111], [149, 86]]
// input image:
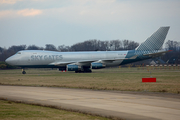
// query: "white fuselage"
[[40, 57]]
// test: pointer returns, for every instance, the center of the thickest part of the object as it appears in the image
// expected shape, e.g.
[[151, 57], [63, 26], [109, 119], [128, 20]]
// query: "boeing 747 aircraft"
[[85, 61]]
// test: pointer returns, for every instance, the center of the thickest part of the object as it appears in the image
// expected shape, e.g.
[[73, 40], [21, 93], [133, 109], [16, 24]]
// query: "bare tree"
[[174, 54], [50, 47], [1, 50], [125, 44], [15, 48], [172, 45], [63, 48], [116, 45], [132, 45], [33, 47], [104, 45]]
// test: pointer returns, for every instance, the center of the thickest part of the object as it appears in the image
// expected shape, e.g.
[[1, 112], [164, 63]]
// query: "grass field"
[[123, 79], [18, 111]]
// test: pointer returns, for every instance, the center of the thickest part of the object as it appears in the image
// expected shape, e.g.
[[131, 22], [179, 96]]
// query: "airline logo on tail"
[[154, 42]]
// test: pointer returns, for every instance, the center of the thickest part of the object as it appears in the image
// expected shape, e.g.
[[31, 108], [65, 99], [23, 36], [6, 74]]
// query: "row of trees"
[[91, 45], [172, 57]]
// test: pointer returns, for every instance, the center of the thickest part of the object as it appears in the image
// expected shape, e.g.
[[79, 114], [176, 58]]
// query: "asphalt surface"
[[116, 104]]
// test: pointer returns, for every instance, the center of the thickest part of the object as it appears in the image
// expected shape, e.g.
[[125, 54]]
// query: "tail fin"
[[155, 41]]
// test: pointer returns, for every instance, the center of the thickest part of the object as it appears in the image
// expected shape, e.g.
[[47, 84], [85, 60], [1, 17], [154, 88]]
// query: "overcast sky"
[[58, 22]]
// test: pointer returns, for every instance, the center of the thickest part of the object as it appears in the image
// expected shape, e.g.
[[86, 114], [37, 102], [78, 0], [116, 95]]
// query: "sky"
[[67, 22]]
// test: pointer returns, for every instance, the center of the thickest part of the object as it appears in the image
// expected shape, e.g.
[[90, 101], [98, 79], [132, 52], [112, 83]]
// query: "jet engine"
[[97, 65], [72, 67]]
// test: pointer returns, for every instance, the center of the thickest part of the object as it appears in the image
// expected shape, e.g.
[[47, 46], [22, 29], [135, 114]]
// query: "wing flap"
[[62, 63]]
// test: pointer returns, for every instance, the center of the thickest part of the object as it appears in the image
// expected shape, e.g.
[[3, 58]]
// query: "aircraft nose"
[[9, 61]]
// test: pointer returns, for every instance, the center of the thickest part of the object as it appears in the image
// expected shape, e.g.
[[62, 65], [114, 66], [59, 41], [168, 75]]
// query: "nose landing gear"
[[23, 71], [84, 71]]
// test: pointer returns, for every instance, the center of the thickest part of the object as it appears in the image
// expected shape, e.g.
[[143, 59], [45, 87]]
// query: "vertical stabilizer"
[[155, 41]]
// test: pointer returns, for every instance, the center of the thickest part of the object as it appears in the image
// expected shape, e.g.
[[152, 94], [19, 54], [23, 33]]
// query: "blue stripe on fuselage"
[[132, 53]]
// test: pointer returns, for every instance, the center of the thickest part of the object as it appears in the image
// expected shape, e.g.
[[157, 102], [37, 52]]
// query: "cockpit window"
[[18, 53]]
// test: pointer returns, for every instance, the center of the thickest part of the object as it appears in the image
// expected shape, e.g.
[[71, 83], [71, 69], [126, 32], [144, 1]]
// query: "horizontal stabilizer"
[[157, 54]]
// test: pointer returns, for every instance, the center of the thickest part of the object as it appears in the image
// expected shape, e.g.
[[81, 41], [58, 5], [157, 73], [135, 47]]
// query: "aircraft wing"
[[73, 62], [117, 59], [62, 63], [88, 62], [110, 60], [157, 54], [85, 62]]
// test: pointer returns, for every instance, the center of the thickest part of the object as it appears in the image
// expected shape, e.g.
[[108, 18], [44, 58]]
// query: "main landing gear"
[[84, 71], [23, 71]]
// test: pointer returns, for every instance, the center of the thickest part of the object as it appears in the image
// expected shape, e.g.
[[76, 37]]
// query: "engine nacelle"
[[73, 67], [97, 65]]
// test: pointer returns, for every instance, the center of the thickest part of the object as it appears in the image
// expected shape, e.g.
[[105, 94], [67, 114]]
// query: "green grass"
[[123, 79], [17, 111]]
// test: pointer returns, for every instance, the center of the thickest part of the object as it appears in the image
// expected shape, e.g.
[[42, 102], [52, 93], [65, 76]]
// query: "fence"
[[160, 67]]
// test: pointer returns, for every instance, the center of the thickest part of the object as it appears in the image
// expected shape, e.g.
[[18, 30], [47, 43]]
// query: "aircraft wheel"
[[88, 71], [23, 72]]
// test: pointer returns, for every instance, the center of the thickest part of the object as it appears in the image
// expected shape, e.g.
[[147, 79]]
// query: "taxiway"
[[104, 103]]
